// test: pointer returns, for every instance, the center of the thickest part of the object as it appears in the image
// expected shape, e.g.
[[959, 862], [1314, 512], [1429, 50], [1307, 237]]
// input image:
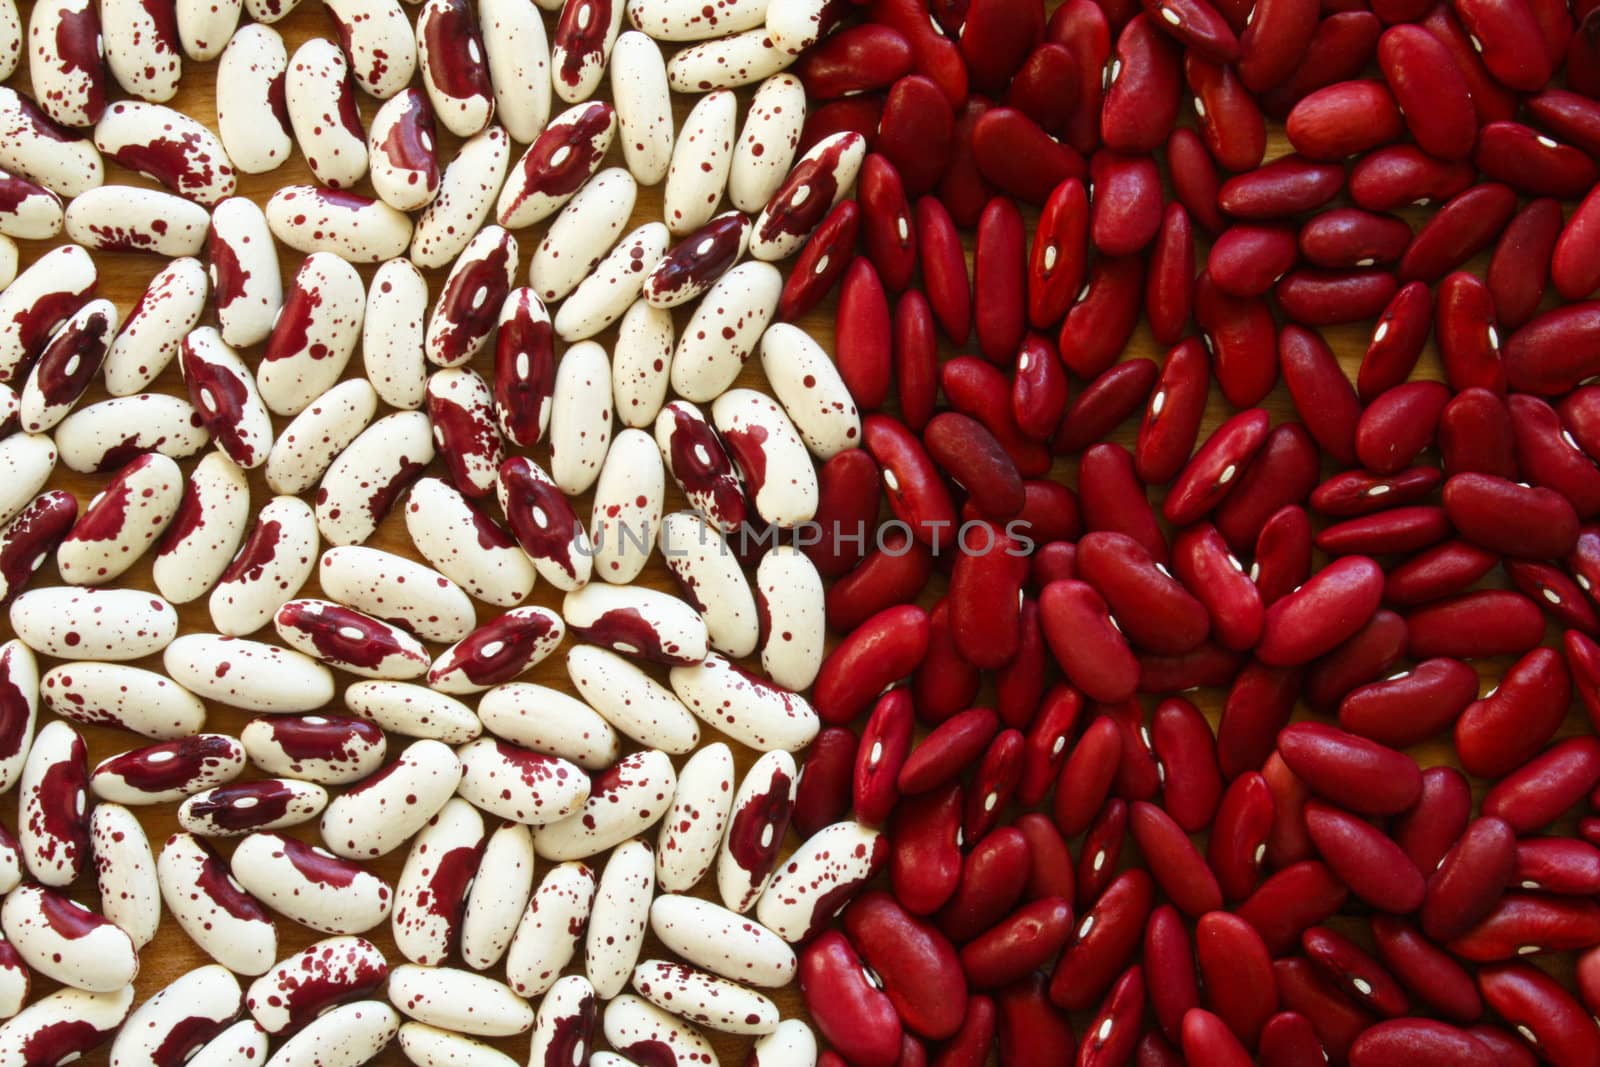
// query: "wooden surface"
[[122, 280]]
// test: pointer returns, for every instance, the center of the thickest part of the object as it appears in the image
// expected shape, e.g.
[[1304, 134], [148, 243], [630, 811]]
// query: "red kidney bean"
[[1469, 880], [1435, 822], [1050, 511], [965, 449], [1476, 434], [1460, 229], [1336, 1020], [891, 241], [1169, 968], [1294, 898], [1354, 971], [847, 503], [977, 388], [1323, 397], [993, 783], [1191, 781], [993, 879], [1243, 342], [1100, 854], [1394, 177], [893, 574], [996, 36], [1567, 114], [943, 682], [1287, 842], [1058, 255], [1113, 498], [1278, 190], [1027, 938], [1210, 473], [1045, 87], [1359, 659], [1412, 706], [1138, 773], [1554, 352], [986, 597], [1422, 1042], [925, 852], [1114, 1031], [1533, 163], [916, 965], [1086, 775], [1545, 1014], [963, 188], [1583, 660], [1490, 99], [1397, 341], [1032, 1032], [885, 741], [1051, 872], [1142, 89], [1289, 1040], [1580, 417], [1328, 608], [1019, 157], [1082, 28], [944, 269], [1086, 642], [1099, 323], [1430, 89], [1558, 865], [1002, 279], [1538, 792], [917, 494], [822, 795], [853, 1014], [1248, 258], [1154, 610], [1169, 286], [1508, 727], [1209, 664], [1105, 938], [1331, 297], [821, 261], [1283, 473], [855, 60], [947, 750], [933, 54], [1573, 266], [1343, 119], [1039, 388], [1126, 210], [1508, 37], [917, 123], [1350, 771], [1237, 973], [1104, 404], [1438, 572], [1426, 971], [1204, 564], [916, 359], [1230, 121], [1172, 417], [860, 115], [1511, 519], [885, 648], [1274, 42], [1490, 622], [1401, 529], [1347, 238], [1194, 178], [1359, 492], [1257, 707], [969, 1046], [1360, 856], [1283, 555], [1469, 340], [1237, 843], [1398, 425], [1176, 864], [864, 335], [1207, 1039]]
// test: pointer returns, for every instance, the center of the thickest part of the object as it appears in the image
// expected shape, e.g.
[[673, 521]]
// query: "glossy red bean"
[[1289, 1040], [1105, 938], [1469, 880], [1332, 297], [1243, 342], [1430, 89], [1025, 939], [885, 742], [1412, 706], [1194, 177], [1211, 472], [894, 573], [1354, 971], [1464, 226], [1236, 970], [1127, 206], [1544, 1013], [1350, 771], [1086, 776], [1336, 1020], [915, 358], [978, 388], [1342, 46], [994, 781], [855, 60], [1398, 425], [1237, 843], [1397, 341], [1509, 518], [886, 217], [1282, 555], [970, 1045], [916, 965], [1330, 607], [1512, 723], [1426, 971], [1422, 1042], [1467, 334], [1538, 792], [1114, 1031], [943, 682], [864, 335], [881, 650], [1583, 660], [1360, 856], [1282, 474], [918, 122], [1023, 161], [1058, 255], [1175, 863], [1490, 622], [1138, 773], [1142, 89], [925, 851], [993, 878], [1294, 898], [1191, 781], [1153, 610], [1032, 1032], [1086, 642], [1039, 388], [947, 750], [1258, 705], [917, 494], [1169, 968], [1099, 323], [1476, 434], [1363, 657], [1113, 498], [1051, 871], [853, 1014], [1169, 285], [1104, 404], [1343, 120], [822, 795], [1560, 865], [1435, 822], [848, 496]]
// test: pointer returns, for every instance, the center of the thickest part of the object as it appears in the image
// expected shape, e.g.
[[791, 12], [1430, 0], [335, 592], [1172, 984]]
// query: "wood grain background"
[[122, 280]]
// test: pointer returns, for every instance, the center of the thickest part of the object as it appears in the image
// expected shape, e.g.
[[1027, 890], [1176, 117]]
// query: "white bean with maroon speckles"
[[379, 43], [704, 998], [269, 569], [637, 621], [141, 48], [455, 70], [556, 165], [322, 111], [269, 11], [181, 1017], [124, 218], [582, 233], [413, 710], [70, 1021], [619, 918], [466, 545], [69, 622], [834, 859], [580, 417], [772, 459], [563, 1031], [721, 941], [169, 770], [310, 885], [524, 368], [747, 708], [69, 363], [125, 872], [641, 360], [10, 38], [19, 709], [392, 334], [693, 20], [467, 193], [519, 65], [584, 36], [66, 60], [370, 474], [799, 24], [398, 590], [613, 285], [31, 145], [246, 289], [376, 816], [520, 784], [26, 462], [247, 674], [550, 722], [300, 987], [498, 651], [459, 1001], [252, 117], [822, 178], [628, 501], [402, 154], [107, 434], [354, 227], [792, 599], [433, 885], [243, 1042], [167, 146], [700, 161], [632, 1023], [807, 383], [53, 806], [245, 807], [768, 142], [429, 1046], [347, 1036], [727, 62], [8, 261], [723, 331], [624, 801], [792, 1044], [469, 303], [38, 301], [206, 532], [692, 830], [118, 696], [314, 336], [461, 408], [757, 823], [63, 940], [227, 923], [632, 701], [644, 106], [167, 310], [31, 212], [709, 576], [303, 451], [695, 263], [225, 397], [500, 891], [349, 640], [544, 523], [547, 935], [325, 749]]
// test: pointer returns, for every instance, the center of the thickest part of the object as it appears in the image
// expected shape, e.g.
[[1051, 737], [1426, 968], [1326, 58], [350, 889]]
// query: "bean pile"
[[932, 834]]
